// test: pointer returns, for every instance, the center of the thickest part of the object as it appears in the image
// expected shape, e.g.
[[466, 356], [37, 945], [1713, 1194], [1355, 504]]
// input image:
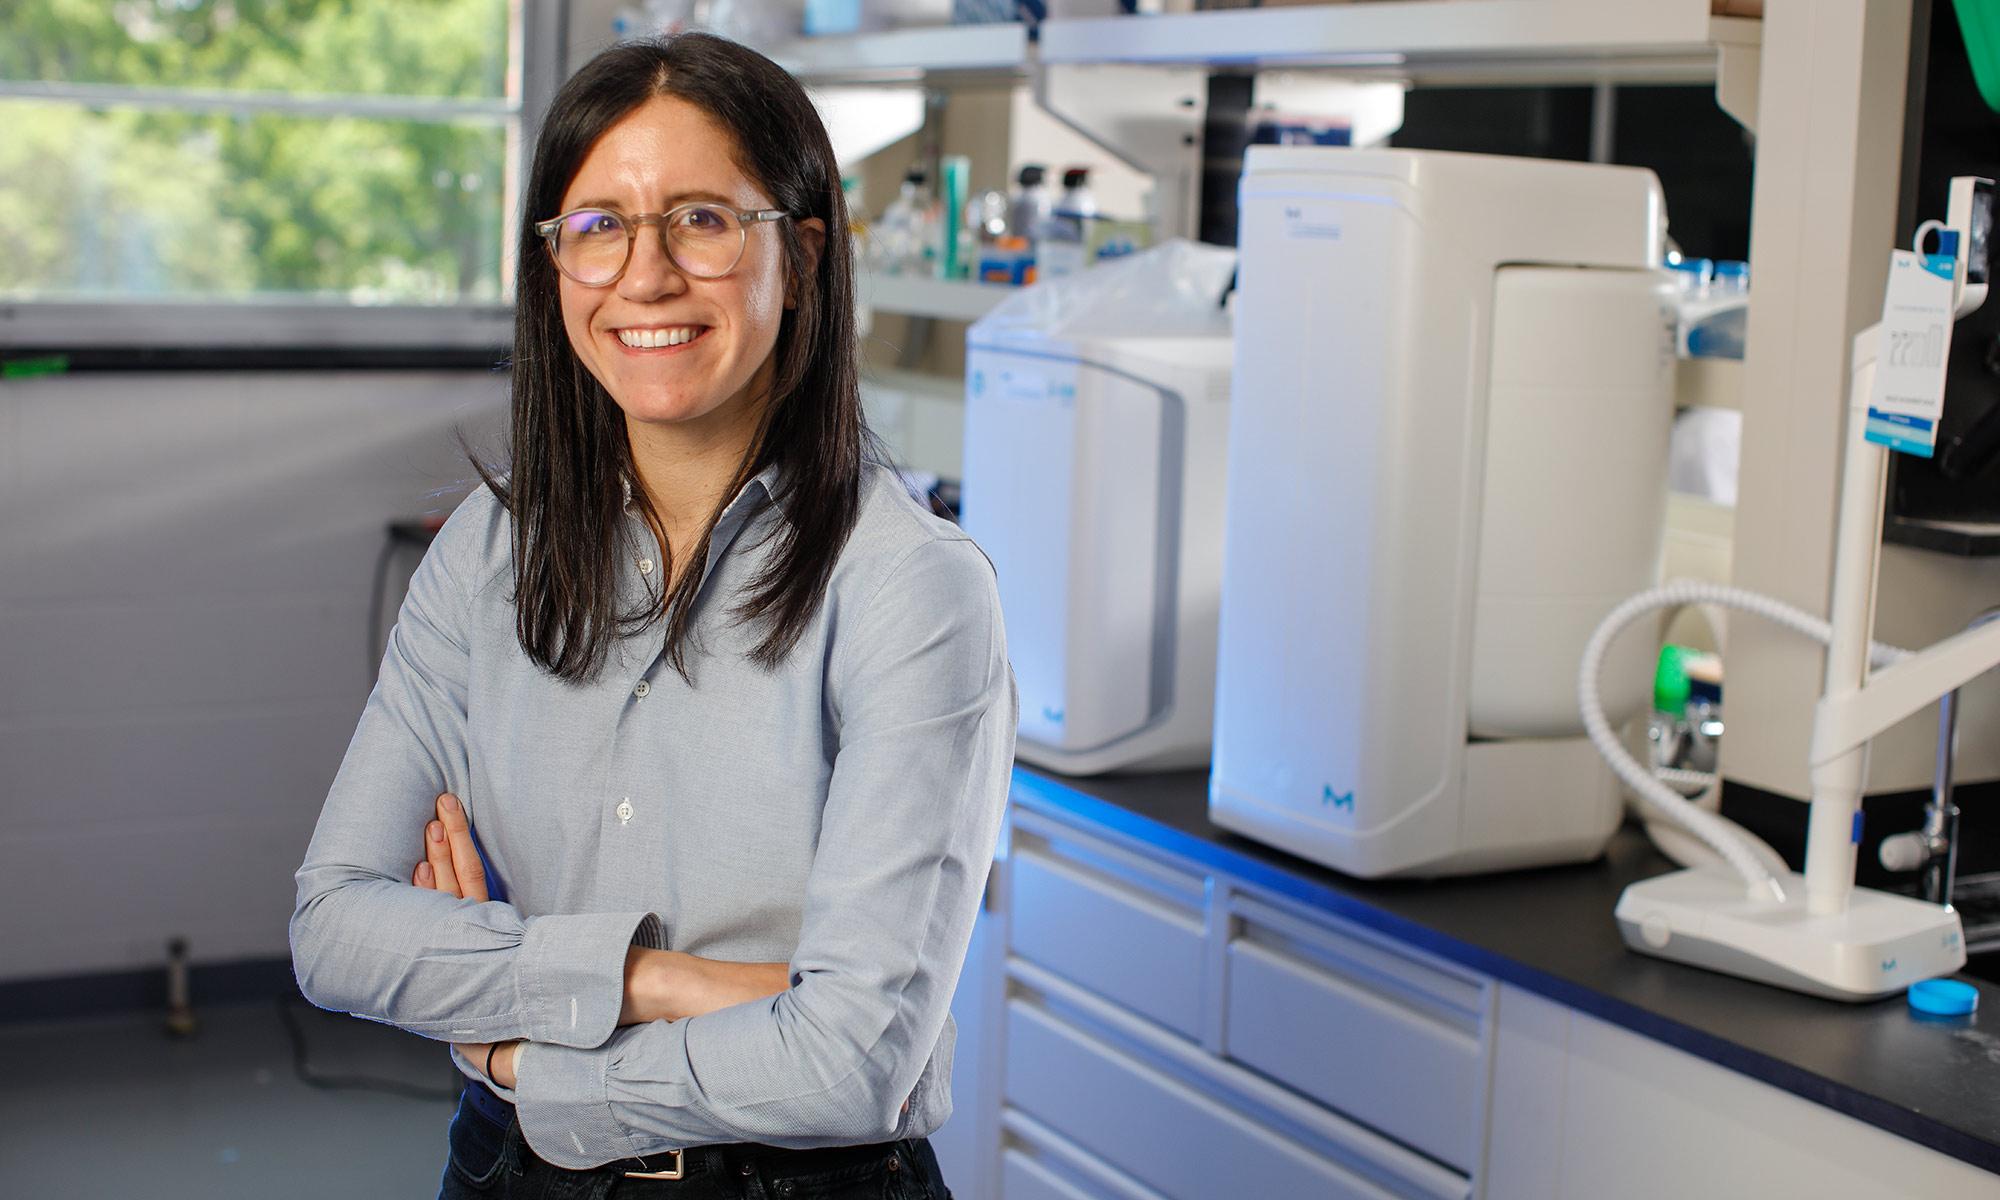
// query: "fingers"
[[451, 863], [467, 868], [437, 857]]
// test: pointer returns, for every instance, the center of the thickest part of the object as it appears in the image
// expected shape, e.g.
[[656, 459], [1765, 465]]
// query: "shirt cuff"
[[930, 1100], [570, 969], [563, 1107]]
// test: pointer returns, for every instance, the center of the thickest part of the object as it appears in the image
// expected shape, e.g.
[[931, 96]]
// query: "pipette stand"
[[1827, 937]]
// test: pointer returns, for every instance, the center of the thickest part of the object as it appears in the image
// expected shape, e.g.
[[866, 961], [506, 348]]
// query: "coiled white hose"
[[1688, 783], [1704, 791], [1724, 837]]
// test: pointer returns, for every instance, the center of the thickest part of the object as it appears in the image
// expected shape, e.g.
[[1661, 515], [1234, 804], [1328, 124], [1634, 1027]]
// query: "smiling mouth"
[[660, 339]]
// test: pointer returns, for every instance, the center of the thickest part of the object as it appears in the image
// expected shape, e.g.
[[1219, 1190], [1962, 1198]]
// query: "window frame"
[[309, 332]]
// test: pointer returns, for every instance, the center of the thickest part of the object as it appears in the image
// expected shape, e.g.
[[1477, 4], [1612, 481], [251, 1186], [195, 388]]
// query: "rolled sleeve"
[[925, 705]]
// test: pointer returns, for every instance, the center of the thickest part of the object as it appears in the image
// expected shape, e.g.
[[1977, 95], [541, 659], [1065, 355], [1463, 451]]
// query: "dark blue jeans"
[[488, 1162]]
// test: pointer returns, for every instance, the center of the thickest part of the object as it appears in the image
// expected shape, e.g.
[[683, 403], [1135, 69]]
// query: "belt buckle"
[[673, 1172]]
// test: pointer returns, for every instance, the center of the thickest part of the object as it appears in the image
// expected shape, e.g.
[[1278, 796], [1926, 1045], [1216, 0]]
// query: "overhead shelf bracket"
[[1148, 117]]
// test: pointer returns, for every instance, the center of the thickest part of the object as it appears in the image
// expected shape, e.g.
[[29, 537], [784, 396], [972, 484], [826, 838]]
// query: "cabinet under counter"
[[1165, 990]]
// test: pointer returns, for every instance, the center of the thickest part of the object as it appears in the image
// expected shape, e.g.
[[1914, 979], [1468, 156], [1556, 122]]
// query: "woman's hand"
[[450, 864], [503, 1059], [660, 985]]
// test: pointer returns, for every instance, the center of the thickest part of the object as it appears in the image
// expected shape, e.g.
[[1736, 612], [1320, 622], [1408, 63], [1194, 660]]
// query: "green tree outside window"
[[130, 167]]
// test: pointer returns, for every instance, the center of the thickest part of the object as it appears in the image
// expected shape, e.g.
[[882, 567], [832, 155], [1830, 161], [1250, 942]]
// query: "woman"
[[729, 712]]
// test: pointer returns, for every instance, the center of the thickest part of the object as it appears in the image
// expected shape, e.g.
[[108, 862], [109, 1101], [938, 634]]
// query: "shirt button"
[[645, 566], [642, 690], [624, 810]]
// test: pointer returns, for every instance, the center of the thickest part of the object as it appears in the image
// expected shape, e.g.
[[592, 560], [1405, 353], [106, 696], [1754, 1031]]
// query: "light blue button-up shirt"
[[838, 812]]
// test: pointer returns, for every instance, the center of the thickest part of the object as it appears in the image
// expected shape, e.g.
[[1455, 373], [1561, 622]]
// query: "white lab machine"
[[1094, 482], [1448, 450]]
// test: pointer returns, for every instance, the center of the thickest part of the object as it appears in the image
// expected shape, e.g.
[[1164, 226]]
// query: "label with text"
[[1908, 396]]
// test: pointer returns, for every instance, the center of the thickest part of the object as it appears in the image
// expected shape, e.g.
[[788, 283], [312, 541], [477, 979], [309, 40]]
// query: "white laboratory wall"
[[185, 579]]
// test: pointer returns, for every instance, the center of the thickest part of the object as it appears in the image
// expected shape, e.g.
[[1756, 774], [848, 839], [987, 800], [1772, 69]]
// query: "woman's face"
[[664, 153]]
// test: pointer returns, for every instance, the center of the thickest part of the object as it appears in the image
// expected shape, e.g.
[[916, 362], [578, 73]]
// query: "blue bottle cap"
[[1702, 269], [1944, 997]]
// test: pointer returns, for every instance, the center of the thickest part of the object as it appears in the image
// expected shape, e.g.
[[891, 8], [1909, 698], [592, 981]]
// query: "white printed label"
[[1908, 397]]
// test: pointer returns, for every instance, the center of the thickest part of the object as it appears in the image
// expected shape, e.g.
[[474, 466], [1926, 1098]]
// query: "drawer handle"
[[1113, 888]]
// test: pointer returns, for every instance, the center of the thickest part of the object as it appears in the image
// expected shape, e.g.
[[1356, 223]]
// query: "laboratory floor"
[[111, 1106]]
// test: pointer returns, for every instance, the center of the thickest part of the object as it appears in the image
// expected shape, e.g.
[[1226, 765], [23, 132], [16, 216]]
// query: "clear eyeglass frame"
[[551, 229]]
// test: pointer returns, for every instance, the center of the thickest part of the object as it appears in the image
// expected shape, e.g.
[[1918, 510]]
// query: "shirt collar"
[[759, 489]]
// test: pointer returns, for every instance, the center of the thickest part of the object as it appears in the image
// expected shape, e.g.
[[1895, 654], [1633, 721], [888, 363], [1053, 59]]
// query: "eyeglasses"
[[594, 245]]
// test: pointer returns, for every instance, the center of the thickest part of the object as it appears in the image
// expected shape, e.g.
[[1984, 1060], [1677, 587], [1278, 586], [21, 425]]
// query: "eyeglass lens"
[[591, 245]]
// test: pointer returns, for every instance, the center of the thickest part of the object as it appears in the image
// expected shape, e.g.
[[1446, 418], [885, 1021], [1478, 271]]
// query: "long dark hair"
[[571, 457]]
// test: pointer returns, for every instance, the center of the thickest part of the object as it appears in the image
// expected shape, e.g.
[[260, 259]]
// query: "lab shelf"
[[1461, 40], [1654, 40], [1965, 539], [948, 299], [900, 55]]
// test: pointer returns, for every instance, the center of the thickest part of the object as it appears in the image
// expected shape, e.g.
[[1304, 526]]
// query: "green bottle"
[[954, 184]]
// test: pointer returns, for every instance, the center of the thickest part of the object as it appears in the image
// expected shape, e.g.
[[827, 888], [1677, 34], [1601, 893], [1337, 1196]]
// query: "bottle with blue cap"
[[1715, 307]]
